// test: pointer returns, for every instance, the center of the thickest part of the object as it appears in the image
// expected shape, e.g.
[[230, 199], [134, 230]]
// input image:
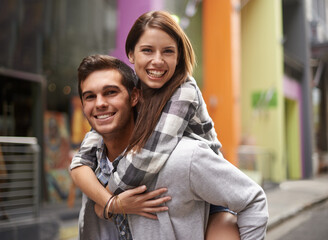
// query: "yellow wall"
[[221, 71], [293, 137], [262, 70]]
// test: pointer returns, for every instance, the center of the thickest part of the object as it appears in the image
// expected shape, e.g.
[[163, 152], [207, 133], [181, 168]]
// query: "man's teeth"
[[154, 73], [103, 116]]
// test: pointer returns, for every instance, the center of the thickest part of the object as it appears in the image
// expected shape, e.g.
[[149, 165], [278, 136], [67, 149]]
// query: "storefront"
[[41, 45]]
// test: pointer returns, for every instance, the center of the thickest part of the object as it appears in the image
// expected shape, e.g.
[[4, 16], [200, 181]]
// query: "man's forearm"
[[85, 179]]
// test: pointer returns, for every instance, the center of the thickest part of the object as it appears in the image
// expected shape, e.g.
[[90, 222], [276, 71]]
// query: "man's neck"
[[117, 144], [114, 149]]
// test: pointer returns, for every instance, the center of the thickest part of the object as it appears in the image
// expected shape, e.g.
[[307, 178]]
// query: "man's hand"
[[135, 201]]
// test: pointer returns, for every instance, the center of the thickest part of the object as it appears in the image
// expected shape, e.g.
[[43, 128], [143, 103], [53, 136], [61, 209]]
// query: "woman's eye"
[[169, 51], [147, 50]]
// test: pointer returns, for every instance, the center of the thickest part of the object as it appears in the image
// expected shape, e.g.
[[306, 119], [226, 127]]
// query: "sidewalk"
[[292, 197], [284, 201]]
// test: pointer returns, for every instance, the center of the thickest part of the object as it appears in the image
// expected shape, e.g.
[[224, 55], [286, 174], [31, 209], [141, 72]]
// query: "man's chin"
[[102, 130]]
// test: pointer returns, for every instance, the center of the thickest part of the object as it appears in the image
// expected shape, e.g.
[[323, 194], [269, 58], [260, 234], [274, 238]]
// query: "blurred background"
[[261, 66]]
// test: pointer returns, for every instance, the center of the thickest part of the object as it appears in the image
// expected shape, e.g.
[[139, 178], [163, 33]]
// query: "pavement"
[[292, 197], [285, 200]]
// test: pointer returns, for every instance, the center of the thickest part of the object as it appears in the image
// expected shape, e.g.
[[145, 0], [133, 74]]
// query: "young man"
[[108, 100], [108, 97]]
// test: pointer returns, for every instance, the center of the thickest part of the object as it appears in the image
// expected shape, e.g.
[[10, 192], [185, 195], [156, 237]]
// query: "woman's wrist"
[[106, 213]]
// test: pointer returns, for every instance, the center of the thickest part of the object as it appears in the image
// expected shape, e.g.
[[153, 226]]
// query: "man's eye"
[[109, 92], [88, 97]]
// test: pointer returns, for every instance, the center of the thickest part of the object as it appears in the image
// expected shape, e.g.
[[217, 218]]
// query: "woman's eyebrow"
[[146, 45]]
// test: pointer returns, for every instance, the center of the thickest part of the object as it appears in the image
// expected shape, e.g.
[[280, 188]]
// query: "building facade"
[[258, 64]]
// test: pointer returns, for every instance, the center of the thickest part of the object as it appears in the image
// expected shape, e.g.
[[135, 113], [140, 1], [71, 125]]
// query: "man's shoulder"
[[187, 146], [194, 142]]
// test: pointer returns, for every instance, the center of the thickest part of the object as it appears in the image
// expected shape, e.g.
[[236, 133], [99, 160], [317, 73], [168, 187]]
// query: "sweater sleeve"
[[227, 186], [139, 168], [87, 154]]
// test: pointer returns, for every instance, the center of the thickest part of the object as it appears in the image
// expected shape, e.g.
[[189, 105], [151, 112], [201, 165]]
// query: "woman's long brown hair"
[[154, 100]]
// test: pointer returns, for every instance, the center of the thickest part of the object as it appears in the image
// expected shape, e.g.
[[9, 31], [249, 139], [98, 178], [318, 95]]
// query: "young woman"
[[171, 107]]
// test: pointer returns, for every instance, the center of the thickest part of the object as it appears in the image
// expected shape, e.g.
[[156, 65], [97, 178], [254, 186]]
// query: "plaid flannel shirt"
[[95, 156], [185, 114]]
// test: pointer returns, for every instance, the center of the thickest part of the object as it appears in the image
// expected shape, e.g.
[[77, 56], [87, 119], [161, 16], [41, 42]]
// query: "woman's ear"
[[135, 96], [131, 57]]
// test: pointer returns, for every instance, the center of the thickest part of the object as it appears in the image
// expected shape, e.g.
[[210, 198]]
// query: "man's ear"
[[131, 57], [135, 95]]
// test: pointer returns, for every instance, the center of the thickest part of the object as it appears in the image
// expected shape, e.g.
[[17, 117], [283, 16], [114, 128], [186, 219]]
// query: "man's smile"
[[104, 116]]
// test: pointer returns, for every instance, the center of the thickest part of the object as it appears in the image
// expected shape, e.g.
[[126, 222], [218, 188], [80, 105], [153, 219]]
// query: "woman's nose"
[[158, 58]]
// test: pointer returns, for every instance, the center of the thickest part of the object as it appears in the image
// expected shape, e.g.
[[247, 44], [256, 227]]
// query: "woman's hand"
[[135, 201]]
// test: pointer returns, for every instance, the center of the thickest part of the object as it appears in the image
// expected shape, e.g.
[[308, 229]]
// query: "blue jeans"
[[216, 209]]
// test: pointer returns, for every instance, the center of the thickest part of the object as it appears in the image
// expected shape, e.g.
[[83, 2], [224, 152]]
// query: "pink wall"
[[127, 12]]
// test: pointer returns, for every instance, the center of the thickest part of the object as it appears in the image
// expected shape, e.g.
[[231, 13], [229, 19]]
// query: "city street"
[[310, 224], [250, 74]]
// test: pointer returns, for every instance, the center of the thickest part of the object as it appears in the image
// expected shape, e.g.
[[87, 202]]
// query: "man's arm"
[[228, 186]]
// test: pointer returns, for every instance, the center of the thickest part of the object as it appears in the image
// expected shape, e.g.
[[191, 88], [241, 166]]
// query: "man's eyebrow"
[[85, 93], [111, 86], [104, 88]]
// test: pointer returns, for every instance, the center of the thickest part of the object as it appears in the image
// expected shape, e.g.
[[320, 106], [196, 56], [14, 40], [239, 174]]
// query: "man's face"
[[106, 102]]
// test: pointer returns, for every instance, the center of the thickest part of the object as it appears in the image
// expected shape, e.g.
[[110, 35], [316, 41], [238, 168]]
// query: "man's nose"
[[101, 101]]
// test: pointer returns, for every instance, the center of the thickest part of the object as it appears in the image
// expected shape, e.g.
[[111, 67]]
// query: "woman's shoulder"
[[190, 82], [187, 91]]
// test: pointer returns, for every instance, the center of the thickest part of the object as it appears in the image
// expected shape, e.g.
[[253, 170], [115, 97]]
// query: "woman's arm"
[[134, 201], [85, 179], [140, 168], [87, 153]]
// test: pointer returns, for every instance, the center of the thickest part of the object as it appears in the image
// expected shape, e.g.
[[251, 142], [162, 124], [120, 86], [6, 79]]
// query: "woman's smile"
[[155, 57]]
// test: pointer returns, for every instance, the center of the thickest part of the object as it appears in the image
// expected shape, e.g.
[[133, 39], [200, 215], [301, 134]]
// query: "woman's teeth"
[[156, 74]]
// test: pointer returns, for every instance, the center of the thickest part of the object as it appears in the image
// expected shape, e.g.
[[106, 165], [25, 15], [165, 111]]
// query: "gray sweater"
[[195, 176]]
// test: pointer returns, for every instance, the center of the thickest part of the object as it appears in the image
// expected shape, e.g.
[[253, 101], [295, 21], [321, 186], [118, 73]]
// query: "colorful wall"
[[221, 87], [128, 11], [262, 99], [293, 116]]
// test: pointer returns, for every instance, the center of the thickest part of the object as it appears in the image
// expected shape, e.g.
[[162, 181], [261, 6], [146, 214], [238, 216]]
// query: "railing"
[[256, 162], [19, 178]]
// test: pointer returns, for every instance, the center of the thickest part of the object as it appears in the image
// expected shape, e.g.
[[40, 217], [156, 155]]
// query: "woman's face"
[[155, 57]]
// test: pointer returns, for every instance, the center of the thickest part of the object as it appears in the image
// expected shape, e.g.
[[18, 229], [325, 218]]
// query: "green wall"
[[293, 152]]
